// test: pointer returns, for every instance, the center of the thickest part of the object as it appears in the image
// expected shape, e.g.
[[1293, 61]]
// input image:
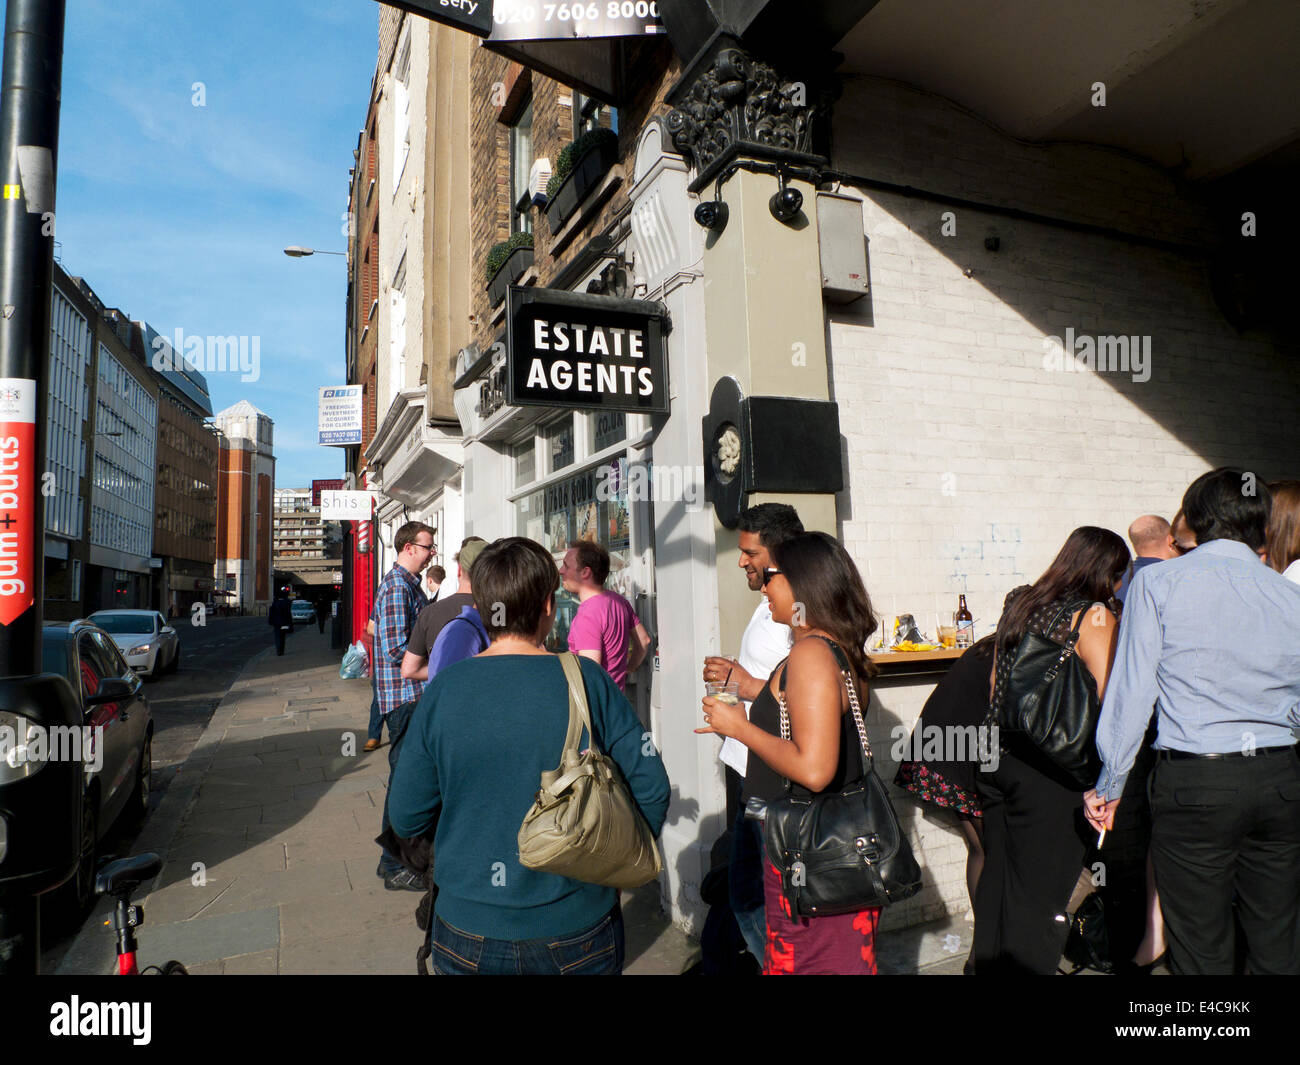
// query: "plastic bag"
[[356, 663]]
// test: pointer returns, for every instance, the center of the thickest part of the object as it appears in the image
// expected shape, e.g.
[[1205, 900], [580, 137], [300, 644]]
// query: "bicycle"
[[119, 879]]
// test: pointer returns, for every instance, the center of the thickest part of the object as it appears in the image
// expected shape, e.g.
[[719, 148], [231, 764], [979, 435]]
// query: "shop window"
[[525, 460], [401, 111], [607, 429], [559, 445]]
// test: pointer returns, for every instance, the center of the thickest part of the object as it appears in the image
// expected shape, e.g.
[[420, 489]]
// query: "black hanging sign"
[[549, 20], [587, 352], [475, 16]]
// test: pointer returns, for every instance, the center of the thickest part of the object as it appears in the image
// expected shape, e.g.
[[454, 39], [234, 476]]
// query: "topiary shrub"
[[501, 252], [575, 151]]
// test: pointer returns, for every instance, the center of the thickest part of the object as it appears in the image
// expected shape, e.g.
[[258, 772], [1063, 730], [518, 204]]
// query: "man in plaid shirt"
[[397, 604]]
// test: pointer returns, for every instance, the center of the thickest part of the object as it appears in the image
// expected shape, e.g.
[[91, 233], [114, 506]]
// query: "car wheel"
[[79, 892], [137, 806]]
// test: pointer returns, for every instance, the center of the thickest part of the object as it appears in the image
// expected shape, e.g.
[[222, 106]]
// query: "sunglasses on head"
[[769, 573]]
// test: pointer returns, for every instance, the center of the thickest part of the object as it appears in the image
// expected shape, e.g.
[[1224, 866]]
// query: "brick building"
[[964, 214], [245, 486]]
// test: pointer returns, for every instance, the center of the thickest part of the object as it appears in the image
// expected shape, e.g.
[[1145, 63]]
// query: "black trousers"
[[280, 634], [1033, 852], [1222, 829]]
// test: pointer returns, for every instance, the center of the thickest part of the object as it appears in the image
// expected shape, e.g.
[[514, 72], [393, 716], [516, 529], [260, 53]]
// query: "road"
[[182, 704]]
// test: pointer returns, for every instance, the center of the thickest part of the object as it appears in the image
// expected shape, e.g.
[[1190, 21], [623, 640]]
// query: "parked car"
[[151, 646], [302, 610], [113, 703]]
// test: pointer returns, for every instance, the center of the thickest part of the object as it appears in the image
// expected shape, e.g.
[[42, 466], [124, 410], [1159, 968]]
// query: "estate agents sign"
[[580, 351]]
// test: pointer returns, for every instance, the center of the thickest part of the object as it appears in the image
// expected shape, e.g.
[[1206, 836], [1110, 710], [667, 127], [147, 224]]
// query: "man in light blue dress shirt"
[[1212, 641]]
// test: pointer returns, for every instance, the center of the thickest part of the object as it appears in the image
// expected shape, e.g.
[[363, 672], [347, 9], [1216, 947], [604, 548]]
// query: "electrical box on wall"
[[843, 247]]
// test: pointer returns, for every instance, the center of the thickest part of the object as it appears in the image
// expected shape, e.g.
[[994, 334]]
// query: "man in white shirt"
[[763, 646]]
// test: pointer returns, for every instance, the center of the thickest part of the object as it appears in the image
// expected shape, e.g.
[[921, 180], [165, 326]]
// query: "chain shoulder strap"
[[854, 707]]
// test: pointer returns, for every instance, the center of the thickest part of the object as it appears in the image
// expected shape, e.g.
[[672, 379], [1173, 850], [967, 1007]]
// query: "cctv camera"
[[785, 204], [712, 214]]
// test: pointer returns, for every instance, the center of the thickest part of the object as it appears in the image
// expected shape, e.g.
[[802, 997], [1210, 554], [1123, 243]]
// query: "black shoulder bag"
[[839, 851], [1051, 699]]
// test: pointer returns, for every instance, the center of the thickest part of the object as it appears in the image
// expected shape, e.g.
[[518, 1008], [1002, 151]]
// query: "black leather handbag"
[[1051, 699], [839, 851]]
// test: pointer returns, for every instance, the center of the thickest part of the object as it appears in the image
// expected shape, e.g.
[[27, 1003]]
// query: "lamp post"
[[40, 798], [295, 251]]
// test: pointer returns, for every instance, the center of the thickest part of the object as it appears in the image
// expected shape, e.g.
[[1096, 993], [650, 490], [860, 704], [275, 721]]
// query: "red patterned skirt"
[[840, 945]]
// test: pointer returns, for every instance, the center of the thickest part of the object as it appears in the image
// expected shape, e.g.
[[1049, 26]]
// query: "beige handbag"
[[583, 823]]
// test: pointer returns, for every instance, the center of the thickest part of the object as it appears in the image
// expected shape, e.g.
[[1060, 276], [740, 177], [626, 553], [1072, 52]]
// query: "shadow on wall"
[[1144, 319]]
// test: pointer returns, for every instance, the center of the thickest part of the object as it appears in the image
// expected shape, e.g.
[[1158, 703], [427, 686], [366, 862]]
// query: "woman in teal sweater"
[[483, 732]]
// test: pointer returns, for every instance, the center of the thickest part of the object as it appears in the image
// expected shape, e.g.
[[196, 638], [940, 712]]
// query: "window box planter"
[[514, 267], [588, 169]]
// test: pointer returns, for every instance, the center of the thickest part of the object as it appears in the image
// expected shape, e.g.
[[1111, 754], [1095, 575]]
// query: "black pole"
[[29, 139]]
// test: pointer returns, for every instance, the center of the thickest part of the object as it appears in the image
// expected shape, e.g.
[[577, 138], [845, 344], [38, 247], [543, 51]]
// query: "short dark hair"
[[512, 579], [407, 534], [438, 573], [590, 555], [775, 523], [1228, 504]]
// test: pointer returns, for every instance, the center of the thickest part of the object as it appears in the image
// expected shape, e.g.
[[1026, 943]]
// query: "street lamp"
[[296, 252]]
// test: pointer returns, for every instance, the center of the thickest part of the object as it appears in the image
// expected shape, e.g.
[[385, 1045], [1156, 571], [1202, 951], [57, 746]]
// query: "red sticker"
[[18, 546]]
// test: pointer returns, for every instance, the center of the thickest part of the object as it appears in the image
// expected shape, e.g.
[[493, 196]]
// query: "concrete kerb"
[[94, 949]]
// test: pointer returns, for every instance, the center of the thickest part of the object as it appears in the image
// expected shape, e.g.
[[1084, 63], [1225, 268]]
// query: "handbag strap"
[[868, 759], [579, 714]]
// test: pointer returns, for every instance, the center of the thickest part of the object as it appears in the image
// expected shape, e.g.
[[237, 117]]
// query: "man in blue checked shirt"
[[397, 604], [1212, 642]]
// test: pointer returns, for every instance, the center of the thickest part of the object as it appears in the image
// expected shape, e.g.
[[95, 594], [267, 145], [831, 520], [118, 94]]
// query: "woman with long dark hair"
[[815, 588], [1035, 837]]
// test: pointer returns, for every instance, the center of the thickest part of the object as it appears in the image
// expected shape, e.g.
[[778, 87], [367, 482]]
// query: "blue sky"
[[178, 214]]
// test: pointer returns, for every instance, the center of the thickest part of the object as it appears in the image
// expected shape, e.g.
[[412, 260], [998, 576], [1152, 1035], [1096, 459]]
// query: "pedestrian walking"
[[320, 616], [415, 663], [1034, 840], [397, 604], [280, 618], [472, 764], [764, 645], [1226, 788], [605, 625], [815, 588]]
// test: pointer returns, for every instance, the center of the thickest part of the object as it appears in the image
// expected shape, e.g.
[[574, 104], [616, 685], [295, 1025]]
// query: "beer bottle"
[[965, 623]]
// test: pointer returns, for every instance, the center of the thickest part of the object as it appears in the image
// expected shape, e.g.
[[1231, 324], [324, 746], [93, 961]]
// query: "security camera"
[[785, 204], [712, 214]]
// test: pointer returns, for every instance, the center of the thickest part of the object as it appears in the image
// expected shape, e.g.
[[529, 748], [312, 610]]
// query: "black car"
[[114, 705]]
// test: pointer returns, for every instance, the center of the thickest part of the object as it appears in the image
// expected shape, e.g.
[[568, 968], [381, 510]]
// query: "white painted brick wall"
[[943, 374]]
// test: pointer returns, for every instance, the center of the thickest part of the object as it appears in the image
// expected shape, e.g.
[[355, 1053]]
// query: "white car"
[[149, 645]]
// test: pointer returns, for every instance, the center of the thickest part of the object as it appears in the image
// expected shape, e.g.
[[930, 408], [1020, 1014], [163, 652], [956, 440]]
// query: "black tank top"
[[765, 712]]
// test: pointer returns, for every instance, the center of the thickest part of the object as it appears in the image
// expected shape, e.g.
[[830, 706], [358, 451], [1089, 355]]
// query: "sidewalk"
[[267, 835]]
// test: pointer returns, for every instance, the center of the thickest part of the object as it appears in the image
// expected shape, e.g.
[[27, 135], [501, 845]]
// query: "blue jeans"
[[594, 951], [397, 720], [745, 883]]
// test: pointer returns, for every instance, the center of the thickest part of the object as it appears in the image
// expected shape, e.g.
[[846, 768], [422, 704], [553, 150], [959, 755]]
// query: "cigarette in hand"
[[1101, 838]]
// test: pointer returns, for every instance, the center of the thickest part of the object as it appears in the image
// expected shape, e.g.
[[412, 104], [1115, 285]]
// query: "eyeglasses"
[[768, 574], [425, 547]]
